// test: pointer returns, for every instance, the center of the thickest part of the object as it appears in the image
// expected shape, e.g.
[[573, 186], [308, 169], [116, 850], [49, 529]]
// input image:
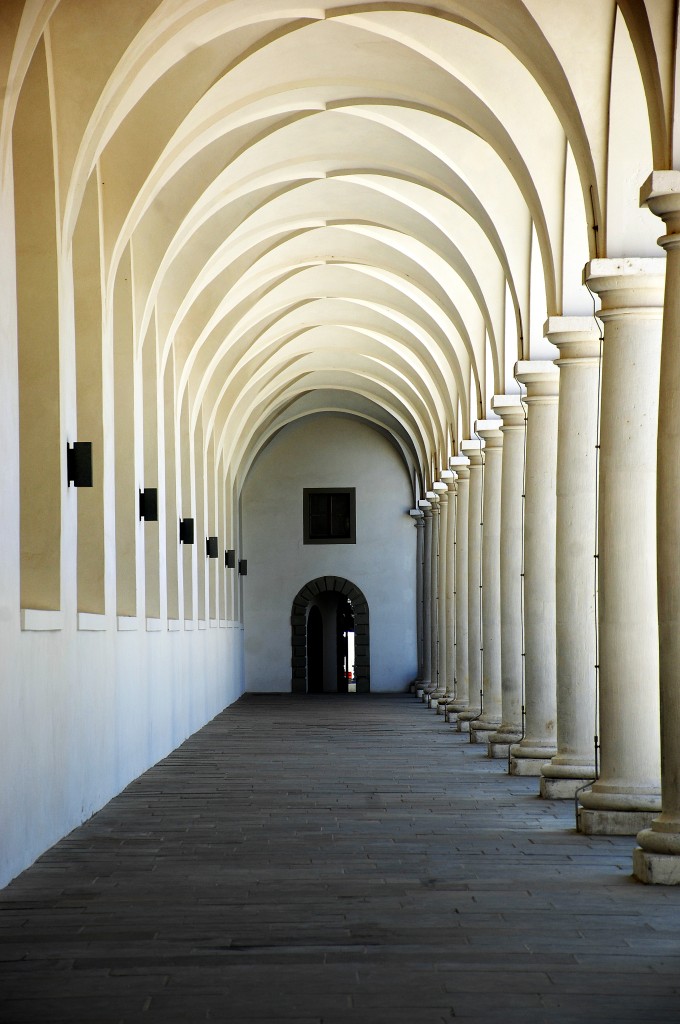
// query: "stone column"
[[573, 766], [449, 478], [473, 450], [541, 379], [419, 523], [442, 492], [460, 464], [490, 721], [627, 793], [433, 499], [426, 509], [657, 859], [511, 411]]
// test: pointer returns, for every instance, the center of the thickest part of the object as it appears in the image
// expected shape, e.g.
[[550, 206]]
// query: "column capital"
[[417, 516], [627, 284], [577, 338], [661, 194], [449, 478], [460, 464], [540, 377], [433, 499], [490, 432], [426, 508], [510, 409], [472, 449], [441, 490]]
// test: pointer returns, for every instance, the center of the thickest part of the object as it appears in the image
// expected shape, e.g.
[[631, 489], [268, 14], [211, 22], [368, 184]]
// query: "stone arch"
[[298, 621]]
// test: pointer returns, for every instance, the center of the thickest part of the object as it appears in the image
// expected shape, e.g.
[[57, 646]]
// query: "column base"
[[453, 710], [465, 717], [526, 766], [656, 868], [480, 731], [501, 741], [599, 822], [561, 789]]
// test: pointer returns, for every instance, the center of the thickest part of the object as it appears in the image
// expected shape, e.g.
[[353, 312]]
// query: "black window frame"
[[306, 493]]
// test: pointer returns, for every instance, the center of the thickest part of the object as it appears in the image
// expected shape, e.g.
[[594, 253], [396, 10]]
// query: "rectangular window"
[[329, 515]]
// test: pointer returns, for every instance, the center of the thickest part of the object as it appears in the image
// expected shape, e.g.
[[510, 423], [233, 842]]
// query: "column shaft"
[[490, 720], [511, 411], [474, 581], [442, 492], [627, 792], [433, 498], [427, 596], [539, 743], [418, 522], [450, 481], [573, 765], [658, 857], [461, 466]]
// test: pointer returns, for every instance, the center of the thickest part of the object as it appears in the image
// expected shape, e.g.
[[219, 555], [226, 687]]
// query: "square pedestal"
[[526, 766], [561, 789], [613, 823], [463, 725], [498, 750], [656, 868], [480, 735]]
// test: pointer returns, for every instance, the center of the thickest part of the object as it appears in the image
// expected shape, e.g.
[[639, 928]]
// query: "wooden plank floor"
[[336, 859]]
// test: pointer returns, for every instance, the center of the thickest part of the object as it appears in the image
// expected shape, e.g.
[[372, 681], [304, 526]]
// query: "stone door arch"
[[298, 621]]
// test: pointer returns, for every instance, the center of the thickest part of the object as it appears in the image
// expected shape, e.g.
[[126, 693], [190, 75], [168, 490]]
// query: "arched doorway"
[[329, 609]]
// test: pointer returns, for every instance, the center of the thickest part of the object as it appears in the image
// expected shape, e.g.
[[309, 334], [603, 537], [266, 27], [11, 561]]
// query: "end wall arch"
[[298, 621]]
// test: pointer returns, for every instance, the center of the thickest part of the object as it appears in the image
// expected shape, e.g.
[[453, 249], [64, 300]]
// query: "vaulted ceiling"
[[367, 208]]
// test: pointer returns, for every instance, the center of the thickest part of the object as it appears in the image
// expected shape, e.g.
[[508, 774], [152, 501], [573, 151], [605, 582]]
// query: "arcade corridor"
[[336, 859]]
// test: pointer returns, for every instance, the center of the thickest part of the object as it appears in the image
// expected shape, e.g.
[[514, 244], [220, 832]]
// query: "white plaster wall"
[[328, 451], [82, 714]]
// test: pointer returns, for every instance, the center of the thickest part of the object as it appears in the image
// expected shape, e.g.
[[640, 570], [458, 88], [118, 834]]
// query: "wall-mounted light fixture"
[[79, 463], [186, 531], [230, 559], [211, 547], [243, 567], [148, 505]]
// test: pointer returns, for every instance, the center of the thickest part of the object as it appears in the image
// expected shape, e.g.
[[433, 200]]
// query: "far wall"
[[328, 451]]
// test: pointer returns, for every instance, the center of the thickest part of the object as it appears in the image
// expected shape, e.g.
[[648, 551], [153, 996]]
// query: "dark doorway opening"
[[315, 650], [330, 638]]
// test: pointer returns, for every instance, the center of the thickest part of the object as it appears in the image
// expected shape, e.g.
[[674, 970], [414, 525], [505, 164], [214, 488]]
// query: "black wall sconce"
[[186, 531], [79, 463], [243, 567], [230, 559], [148, 505], [211, 547]]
